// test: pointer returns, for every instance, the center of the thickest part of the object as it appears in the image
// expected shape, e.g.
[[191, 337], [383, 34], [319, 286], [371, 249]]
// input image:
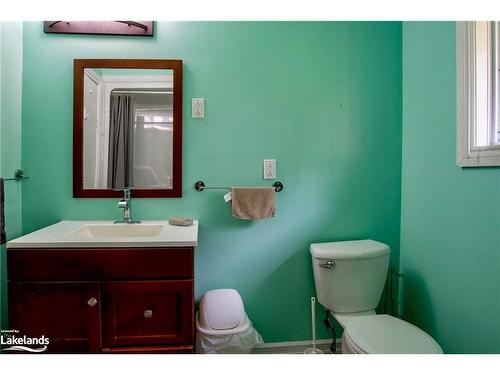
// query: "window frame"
[[469, 155]]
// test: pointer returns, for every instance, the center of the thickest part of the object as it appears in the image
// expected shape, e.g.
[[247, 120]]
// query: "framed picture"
[[132, 28]]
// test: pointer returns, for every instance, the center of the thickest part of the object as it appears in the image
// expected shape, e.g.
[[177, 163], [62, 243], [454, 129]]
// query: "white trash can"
[[222, 325]]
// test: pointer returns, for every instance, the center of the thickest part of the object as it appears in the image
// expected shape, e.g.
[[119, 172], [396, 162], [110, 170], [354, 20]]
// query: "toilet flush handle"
[[328, 264]]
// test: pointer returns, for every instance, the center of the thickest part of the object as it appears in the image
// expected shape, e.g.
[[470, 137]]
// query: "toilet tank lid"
[[360, 249], [221, 309]]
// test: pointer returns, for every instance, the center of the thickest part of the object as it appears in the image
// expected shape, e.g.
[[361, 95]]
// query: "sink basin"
[[119, 230]]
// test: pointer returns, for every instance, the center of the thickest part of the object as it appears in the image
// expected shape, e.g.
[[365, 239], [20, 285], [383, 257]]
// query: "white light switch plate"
[[198, 107], [269, 169]]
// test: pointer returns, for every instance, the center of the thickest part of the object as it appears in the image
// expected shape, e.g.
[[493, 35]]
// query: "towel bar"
[[18, 175], [200, 186]]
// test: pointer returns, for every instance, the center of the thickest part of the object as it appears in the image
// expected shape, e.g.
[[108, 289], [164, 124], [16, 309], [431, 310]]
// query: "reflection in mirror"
[[128, 128]]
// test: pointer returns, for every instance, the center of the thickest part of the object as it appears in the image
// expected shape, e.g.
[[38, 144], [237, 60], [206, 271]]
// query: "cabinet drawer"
[[88, 264], [145, 313]]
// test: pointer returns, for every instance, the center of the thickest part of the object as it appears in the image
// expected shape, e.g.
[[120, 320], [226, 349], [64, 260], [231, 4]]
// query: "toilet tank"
[[350, 275]]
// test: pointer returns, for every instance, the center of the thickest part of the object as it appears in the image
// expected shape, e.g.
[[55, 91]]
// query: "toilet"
[[350, 278]]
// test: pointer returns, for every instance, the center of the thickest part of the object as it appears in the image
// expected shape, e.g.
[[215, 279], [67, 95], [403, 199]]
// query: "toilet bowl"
[[385, 334], [350, 278]]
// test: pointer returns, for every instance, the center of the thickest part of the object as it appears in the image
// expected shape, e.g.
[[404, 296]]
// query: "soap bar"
[[180, 221]]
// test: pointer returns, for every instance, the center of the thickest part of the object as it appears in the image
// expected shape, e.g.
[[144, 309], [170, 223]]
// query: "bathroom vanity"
[[104, 287]]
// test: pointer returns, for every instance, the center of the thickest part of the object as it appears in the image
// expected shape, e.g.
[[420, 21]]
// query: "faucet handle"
[[123, 189], [126, 193]]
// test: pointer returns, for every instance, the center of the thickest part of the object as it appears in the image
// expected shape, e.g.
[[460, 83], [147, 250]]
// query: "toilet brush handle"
[[313, 320]]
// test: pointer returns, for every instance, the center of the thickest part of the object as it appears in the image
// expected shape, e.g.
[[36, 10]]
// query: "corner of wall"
[[11, 62]]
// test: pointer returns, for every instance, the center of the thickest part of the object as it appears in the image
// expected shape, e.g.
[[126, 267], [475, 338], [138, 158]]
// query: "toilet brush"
[[314, 349]]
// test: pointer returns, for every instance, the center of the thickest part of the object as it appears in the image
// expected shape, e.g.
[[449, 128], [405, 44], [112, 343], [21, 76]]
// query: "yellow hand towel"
[[253, 203]]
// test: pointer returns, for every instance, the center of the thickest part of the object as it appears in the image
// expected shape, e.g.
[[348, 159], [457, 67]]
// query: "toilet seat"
[[385, 334], [349, 347]]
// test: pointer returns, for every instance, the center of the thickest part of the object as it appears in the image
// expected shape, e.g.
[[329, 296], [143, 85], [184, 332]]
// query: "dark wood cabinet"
[[59, 311], [141, 313], [104, 300]]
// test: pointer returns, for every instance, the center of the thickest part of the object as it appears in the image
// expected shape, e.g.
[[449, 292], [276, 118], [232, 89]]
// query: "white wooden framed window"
[[478, 94]]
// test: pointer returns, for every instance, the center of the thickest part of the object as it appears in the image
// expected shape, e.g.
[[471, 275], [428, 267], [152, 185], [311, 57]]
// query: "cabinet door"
[[145, 313], [68, 313]]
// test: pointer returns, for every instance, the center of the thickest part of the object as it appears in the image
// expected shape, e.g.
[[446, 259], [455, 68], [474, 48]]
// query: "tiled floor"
[[295, 348]]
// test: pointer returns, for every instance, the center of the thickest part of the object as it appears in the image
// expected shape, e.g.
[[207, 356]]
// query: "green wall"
[[324, 99], [450, 217], [11, 59]]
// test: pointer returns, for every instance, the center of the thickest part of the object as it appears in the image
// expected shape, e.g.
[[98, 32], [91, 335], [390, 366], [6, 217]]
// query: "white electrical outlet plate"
[[269, 169], [198, 107]]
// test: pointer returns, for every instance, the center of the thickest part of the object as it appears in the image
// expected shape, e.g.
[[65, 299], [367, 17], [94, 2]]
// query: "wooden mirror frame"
[[78, 74]]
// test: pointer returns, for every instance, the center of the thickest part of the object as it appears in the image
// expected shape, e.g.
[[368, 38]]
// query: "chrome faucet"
[[126, 204]]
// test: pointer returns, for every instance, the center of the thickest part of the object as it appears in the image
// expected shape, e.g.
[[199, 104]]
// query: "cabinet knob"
[[148, 313], [92, 302]]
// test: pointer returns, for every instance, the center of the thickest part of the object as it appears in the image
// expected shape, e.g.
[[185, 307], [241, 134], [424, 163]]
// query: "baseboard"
[[294, 347]]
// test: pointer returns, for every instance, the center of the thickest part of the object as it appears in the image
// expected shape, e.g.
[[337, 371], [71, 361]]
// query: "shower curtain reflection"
[[121, 133]]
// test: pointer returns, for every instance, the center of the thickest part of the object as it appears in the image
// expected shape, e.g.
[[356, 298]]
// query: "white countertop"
[[67, 234]]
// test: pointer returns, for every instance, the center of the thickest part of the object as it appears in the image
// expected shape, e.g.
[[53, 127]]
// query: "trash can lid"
[[221, 309]]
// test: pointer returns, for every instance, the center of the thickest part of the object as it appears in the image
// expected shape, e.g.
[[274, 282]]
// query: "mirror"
[[127, 128]]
